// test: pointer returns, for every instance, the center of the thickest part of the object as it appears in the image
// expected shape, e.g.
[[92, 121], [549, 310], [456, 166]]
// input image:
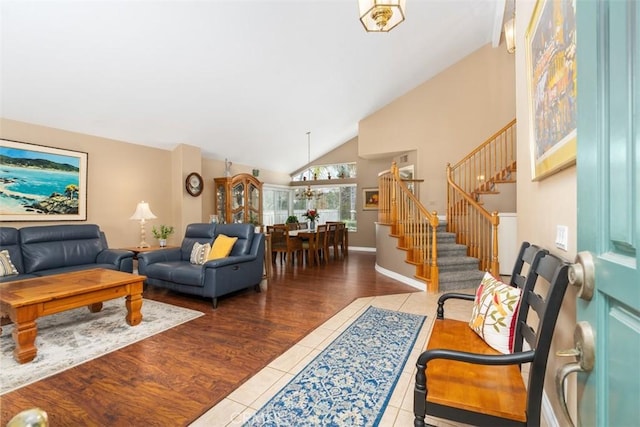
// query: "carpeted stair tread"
[[455, 280], [447, 249], [457, 263]]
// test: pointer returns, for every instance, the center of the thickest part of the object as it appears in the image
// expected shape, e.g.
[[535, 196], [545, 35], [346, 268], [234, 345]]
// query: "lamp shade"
[[143, 212], [381, 15]]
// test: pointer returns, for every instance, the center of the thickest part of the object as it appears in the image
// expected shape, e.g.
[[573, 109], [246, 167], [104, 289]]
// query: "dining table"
[[308, 234]]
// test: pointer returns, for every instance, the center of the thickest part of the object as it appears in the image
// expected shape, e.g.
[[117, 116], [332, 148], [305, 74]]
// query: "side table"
[[136, 250]]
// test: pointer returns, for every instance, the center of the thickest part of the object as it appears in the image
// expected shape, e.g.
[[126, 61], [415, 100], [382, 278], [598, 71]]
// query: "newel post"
[[495, 264]]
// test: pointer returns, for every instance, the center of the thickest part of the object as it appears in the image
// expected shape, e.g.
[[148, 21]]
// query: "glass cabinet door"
[[238, 199], [221, 202]]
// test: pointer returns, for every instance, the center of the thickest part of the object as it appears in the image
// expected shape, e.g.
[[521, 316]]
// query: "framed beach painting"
[[370, 199], [551, 77], [39, 183]]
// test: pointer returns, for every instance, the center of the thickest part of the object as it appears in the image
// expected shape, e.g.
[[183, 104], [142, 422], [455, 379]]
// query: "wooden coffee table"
[[26, 300]]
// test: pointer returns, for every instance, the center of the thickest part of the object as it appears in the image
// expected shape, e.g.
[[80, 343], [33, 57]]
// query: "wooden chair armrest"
[[451, 295], [479, 359]]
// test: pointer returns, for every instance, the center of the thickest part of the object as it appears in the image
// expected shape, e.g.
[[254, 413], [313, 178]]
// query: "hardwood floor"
[[172, 378]]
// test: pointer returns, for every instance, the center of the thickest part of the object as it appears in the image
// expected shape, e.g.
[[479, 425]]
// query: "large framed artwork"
[[39, 183], [551, 77], [370, 199]]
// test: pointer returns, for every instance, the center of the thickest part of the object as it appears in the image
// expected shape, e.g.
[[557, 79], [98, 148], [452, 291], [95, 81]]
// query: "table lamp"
[[143, 213]]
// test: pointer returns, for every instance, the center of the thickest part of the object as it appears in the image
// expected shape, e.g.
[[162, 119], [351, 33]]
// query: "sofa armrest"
[[230, 260], [121, 258], [160, 255]]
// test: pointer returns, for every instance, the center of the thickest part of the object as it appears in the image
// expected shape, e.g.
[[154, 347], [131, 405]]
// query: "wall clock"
[[194, 184]]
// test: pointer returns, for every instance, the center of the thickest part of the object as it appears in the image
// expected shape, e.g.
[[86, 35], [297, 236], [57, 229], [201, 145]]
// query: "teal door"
[[608, 170]]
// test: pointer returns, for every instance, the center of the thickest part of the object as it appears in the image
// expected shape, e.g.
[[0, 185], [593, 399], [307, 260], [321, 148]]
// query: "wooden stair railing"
[[491, 163], [411, 223]]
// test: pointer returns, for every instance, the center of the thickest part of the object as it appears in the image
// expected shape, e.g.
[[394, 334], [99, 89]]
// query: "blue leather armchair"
[[170, 268], [52, 249]]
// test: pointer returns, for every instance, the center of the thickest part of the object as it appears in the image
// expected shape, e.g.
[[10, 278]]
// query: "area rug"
[[72, 337], [350, 382]]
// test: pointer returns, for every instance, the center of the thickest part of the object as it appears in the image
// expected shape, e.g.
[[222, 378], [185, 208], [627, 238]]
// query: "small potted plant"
[[292, 219], [162, 233]]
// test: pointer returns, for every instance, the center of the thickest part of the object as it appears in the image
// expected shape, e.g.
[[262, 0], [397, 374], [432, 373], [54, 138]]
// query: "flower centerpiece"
[[311, 215]]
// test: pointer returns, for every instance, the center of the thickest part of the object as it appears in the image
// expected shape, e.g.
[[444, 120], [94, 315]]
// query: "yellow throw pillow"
[[221, 247]]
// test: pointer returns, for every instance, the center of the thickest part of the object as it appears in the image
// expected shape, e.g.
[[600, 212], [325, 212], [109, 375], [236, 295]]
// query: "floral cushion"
[[494, 313], [199, 253]]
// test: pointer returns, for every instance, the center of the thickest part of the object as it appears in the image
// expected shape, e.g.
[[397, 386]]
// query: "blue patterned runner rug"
[[351, 381]]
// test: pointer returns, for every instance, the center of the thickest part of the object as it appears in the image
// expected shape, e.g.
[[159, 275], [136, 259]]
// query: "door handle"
[[582, 275], [584, 352]]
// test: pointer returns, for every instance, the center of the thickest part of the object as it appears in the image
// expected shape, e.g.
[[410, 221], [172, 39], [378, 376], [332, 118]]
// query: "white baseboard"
[[400, 278], [361, 249], [547, 412]]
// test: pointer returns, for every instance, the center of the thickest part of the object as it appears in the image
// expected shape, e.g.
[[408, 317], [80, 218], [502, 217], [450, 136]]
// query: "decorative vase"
[[163, 242], [312, 225]]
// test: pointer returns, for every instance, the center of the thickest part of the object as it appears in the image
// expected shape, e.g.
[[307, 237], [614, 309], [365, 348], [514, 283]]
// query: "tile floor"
[[238, 406]]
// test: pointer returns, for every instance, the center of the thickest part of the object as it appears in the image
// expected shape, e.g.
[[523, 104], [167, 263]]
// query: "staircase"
[[452, 254], [457, 270]]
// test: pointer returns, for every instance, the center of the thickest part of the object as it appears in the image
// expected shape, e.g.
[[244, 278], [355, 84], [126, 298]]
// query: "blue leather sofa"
[[53, 249], [171, 268]]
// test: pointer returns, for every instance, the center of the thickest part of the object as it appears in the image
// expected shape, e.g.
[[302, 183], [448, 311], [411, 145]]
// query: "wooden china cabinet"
[[238, 199]]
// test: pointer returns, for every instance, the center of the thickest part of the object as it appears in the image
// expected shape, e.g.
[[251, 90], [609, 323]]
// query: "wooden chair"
[[461, 378], [338, 244], [314, 245], [287, 246], [303, 226], [330, 240], [278, 242]]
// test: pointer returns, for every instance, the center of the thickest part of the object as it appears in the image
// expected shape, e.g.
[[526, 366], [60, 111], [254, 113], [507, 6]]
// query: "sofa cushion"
[[57, 246], [222, 246], [244, 233], [179, 272], [201, 233], [10, 241], [199, 253], [6, 266]]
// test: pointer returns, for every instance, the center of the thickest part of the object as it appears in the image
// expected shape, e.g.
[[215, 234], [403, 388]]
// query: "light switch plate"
[[562, 237]]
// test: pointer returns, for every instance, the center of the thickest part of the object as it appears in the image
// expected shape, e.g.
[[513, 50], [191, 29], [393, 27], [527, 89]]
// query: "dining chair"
[[338, 244], [330, 239], [290, 246], [314, 244], [278, 242], [303, 226]]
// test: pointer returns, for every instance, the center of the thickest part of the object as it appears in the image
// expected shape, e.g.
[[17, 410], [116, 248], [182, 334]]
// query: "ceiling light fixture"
[[510, 35], [308, 193], [381, 16], [510, 27]]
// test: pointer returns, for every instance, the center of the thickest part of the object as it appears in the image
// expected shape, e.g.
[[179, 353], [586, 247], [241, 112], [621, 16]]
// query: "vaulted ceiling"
[[243, 80]]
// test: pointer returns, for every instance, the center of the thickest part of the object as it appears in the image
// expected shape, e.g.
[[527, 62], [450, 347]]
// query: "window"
[[339, 170], [275, 205], [336, 203]]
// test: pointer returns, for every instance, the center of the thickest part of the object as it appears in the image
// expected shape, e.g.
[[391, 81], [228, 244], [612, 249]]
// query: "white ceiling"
[[226, 76]]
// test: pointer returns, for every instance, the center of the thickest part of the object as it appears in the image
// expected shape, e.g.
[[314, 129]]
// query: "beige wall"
[[122, 174], [119, 176], [445, 118], [542, 205]]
